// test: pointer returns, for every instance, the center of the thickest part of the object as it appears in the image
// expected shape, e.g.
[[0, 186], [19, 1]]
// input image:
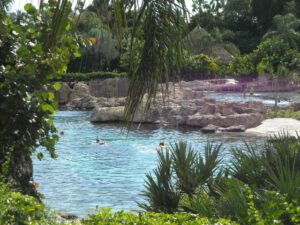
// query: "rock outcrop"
[[185, 105], [63, 95], [194, 111]]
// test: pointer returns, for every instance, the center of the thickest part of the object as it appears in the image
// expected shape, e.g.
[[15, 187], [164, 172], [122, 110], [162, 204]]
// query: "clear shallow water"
[[86, 175]]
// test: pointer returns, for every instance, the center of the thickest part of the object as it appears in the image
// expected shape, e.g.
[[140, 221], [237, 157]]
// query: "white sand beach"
[[277, 125]]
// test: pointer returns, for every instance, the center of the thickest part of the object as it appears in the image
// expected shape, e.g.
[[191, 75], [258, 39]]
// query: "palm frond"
[[162, 53]]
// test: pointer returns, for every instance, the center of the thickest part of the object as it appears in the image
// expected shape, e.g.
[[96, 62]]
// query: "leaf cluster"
[[181, 171], [33, 50], [272, 56], [259, 185]]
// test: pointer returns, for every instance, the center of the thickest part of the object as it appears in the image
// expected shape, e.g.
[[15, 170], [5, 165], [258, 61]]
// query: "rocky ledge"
[[185, 106], [190, 108]]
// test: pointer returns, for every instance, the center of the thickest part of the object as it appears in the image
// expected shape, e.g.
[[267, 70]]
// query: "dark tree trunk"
[[20, 174]]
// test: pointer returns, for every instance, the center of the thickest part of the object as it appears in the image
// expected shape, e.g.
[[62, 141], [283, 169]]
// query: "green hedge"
[[106, 217], [68, 77]]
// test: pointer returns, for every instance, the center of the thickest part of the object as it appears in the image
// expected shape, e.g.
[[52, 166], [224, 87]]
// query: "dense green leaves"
[[34, 47], [286, 28], [105, 217], [180, 170], [259, 185], [16, 208]]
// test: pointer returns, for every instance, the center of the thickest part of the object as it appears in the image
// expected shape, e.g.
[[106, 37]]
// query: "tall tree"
[[286, 28], [265, 10], [31, 53]]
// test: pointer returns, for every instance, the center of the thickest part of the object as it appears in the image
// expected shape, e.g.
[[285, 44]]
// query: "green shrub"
[[106, 217], [202, 66], [181, 170], [284, 113], [69, 77], [19, 209], [260, 184], [271, 55]]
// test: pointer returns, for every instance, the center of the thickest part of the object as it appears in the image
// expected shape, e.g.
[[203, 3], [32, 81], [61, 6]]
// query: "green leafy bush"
[[270, 56], [284, 113], [200, 63], [16, 208], [106, 217], [32, 50], [259, 185], [68, 77]]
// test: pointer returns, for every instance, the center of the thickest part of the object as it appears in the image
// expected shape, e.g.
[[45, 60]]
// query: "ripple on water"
[[86, 175]]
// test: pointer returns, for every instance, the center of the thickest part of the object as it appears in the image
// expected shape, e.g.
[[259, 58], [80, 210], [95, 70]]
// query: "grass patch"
[[285, 113]]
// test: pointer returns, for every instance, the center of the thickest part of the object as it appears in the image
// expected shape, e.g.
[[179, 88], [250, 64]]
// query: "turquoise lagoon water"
[[86, 175]]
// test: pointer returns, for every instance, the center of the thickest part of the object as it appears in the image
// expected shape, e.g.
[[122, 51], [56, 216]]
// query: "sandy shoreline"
[[278, 125]]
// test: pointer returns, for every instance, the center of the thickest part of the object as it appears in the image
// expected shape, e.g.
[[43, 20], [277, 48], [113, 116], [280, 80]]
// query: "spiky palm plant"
[[273, 165], [190, 171], [184, 161], [160, 191]]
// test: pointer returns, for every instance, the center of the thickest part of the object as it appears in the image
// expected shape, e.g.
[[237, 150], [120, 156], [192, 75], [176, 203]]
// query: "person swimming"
[[100, 142], [162, 145]]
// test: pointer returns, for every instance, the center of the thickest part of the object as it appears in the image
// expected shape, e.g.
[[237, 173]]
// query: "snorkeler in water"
[[162, 145], [100, 142]]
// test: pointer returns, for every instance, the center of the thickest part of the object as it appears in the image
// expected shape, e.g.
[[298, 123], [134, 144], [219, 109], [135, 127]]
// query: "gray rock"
[[68, 216], [63, 95], [108, 114], [247, 120], [240, 128], [208, 109], [210, 129]]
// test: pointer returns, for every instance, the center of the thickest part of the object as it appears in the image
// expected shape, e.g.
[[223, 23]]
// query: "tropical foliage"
[[104, 217], [284, 113], [258, 185], [272, 56], [248, 20], [32, 50], [286, 28], [16, 208]]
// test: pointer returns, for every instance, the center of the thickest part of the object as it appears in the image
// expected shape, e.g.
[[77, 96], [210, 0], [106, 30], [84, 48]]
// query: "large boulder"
[[80, 89], [116, 114], [210, 129], [81, 98], [63, 94], [108, 114]]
